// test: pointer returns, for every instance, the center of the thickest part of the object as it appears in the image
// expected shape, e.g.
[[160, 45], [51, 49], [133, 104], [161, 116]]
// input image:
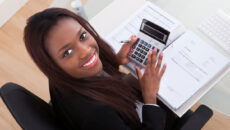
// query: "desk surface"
[[189, 13]]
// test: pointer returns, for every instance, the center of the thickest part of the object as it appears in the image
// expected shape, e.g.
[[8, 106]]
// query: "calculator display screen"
[[154, 31]]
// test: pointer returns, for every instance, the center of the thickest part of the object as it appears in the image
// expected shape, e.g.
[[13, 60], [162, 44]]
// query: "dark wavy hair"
[[112, 91]]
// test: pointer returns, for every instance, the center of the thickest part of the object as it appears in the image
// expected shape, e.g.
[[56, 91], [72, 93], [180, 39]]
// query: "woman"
[[87, 90]]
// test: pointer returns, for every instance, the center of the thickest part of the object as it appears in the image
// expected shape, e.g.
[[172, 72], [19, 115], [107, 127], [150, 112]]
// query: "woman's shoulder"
[[88, 115], [70, 99], [76, 109]]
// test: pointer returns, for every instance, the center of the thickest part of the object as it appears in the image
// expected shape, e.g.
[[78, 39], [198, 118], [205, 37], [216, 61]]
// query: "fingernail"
[[155, 49], [161, 54], [150, 52], [135, 38]]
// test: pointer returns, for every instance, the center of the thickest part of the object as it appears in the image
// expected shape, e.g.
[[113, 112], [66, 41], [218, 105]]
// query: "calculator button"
[[142, 42], [141, 60], [143, 47], [142, 56], [146, 44], [135, 52], [133, 56], [144, 52], [141, 51], [139, 45], [147, 49], [138, 49], [139, 54], [134, 45], [149, 45]]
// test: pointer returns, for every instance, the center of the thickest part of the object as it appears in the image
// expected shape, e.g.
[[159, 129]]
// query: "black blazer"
[[81, 113]]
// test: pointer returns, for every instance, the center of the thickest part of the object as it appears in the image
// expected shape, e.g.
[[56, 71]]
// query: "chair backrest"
[[29, 110]]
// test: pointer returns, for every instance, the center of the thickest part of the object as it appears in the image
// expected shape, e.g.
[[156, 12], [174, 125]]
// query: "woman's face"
[[73, 49]]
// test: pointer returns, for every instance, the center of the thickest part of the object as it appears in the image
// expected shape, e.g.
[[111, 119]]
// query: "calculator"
[[150, 36]]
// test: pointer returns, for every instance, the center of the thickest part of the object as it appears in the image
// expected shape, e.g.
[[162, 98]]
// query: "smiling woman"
[[49, 31], [73, 48], [87, 90]]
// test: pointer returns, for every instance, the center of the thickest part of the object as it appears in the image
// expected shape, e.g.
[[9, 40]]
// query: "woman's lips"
[[91, 62]]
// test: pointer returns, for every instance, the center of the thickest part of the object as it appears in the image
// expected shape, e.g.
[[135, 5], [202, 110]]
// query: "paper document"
[[191, 64]]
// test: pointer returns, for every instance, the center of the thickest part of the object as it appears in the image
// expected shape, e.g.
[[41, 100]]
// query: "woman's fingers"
[[159, 62], [154, 59], [127, 45], [133, 40], [163, 70], [149, 61], [139, 74]]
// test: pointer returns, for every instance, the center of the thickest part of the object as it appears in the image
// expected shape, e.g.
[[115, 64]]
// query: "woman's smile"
[[91, 61]]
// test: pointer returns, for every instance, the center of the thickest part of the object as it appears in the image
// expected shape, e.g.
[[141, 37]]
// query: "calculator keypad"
[[139, 52]]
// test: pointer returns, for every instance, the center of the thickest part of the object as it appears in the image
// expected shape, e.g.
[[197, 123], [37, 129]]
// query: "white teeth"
[[90, 62]]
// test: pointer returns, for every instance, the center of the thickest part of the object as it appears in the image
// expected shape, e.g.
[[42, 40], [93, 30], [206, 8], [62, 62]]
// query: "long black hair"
[[112, 90]]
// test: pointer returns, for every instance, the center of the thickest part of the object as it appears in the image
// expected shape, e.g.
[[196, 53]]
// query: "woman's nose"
[[84, 51]]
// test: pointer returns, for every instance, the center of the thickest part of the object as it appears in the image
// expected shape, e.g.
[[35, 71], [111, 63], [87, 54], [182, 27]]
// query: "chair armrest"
[[195, 120]]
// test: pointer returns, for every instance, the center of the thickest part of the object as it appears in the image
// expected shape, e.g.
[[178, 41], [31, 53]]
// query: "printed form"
[[191, 64]]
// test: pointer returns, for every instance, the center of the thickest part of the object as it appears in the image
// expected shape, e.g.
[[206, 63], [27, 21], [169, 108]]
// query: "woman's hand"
[[150, 80], [122, 57]]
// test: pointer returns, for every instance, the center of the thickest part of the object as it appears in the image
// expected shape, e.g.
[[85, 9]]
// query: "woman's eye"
[[83, 35], [67, 52]]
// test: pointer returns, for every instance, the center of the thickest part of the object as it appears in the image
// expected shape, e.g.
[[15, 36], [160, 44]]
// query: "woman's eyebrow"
[[79, 32], [66, 45]]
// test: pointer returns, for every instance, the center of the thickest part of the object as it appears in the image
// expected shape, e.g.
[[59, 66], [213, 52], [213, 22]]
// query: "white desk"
[[190, 13]]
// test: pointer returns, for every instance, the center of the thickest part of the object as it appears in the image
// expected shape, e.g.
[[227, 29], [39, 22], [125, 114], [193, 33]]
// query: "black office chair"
[[32, 113]]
